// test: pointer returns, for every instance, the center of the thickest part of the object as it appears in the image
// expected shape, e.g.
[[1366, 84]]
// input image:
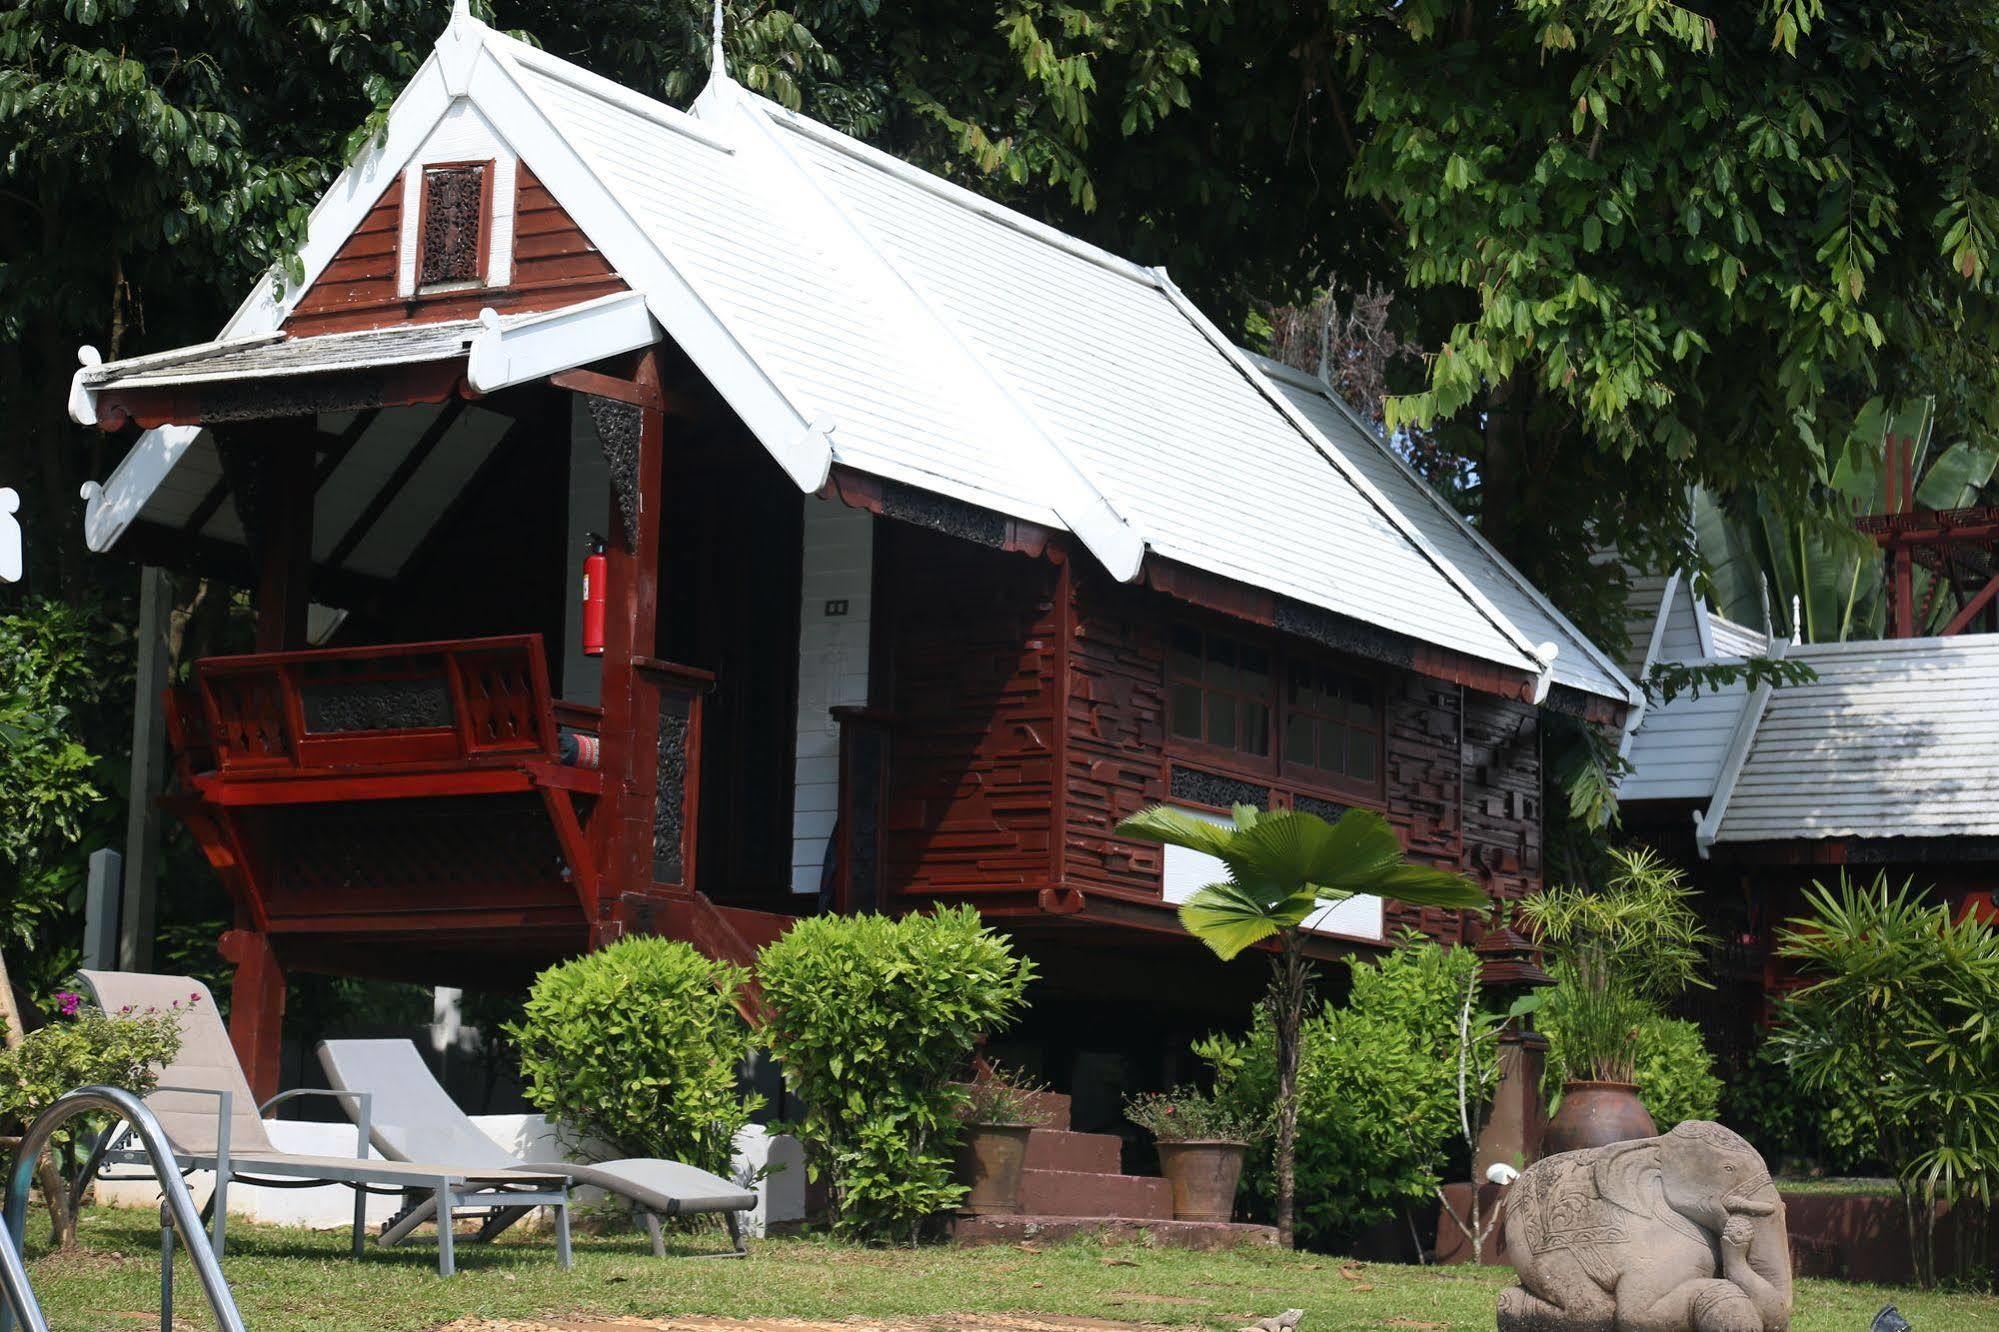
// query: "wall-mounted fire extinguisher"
[[593, 597]]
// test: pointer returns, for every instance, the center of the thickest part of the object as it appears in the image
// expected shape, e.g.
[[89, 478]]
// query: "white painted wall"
[[462, 136], [1188, 871], [832, 670]]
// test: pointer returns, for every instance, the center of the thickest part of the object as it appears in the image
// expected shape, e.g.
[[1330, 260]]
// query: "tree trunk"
[[62, 1233], [1287, 1015]]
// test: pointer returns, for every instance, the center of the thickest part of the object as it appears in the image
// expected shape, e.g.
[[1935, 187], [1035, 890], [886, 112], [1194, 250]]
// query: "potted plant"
[[1000, 1111], [1201, 1145], [1617, 954]]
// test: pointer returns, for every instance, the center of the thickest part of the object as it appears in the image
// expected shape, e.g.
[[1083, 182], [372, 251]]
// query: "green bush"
[[1669, 1062], [85, 1047], [1377, 1089], [871, 1017], [639, 1045]]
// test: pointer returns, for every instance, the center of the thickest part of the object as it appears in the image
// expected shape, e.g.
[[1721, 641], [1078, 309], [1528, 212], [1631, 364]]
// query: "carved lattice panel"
[[249, 716], [500, 706], [433, 851], [669, 817], [454, 209]]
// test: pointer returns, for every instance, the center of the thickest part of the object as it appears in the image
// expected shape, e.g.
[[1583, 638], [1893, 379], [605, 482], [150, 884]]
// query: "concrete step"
[[1085, 1153], [1155, 1233], [1086, 1193], [1054, 1107]]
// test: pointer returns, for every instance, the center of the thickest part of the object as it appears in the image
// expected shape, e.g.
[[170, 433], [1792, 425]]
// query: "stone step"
[[1085, 1153], [1085, 1193], [1155, 1233], [1054, 1108]]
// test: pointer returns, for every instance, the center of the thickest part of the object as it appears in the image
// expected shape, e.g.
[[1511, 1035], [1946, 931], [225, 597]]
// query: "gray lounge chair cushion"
[[206, 1059], [413, 1116]]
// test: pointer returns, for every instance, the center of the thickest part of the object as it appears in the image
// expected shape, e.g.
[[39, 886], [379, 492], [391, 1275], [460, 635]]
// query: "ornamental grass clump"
[[871, 1017], [639, 1046], [1618, 954]]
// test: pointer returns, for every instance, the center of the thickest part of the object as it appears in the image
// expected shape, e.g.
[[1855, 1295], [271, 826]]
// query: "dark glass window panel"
[[1185, 653], [1254, 675], [1298, 746], [1221, 662], [1360, 705], [1221, 720], [1187, 711], [1255, 728], [1332, 746]]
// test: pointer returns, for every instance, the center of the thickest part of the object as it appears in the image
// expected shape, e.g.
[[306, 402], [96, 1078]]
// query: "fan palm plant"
[[1283, 867]]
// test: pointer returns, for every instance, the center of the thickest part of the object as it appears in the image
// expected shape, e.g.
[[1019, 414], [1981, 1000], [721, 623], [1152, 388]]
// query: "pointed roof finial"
[[718, 63], [461, 11]]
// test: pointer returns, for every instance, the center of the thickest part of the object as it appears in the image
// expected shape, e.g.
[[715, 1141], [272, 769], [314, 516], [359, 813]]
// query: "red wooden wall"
[[973, 651], [554, 265]]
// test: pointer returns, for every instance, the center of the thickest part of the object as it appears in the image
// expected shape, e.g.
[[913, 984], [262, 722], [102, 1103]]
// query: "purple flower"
[[67, 1003]]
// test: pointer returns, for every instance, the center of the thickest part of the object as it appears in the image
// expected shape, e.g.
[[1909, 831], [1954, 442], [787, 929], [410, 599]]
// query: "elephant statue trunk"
[[1684, 1232]]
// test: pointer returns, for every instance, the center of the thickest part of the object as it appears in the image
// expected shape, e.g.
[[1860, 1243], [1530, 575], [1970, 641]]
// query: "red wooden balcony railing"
[[470, 702]]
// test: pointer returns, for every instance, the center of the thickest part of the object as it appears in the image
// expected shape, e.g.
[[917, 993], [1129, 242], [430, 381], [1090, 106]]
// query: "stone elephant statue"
[[1679, 1233]]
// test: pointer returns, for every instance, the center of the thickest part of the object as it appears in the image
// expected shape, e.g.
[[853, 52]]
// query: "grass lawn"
[[295, 1279]]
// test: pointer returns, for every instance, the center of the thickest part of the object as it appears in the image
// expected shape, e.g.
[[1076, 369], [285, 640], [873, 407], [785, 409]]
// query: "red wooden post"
[[256, 1008], [630, 631]]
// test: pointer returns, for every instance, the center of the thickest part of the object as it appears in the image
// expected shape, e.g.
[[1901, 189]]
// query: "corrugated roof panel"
[[815, 326], [1898, 738], [1159, 419], [1578, 664]]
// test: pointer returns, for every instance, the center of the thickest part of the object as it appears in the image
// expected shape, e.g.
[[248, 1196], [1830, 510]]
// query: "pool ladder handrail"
[[177, 1212]]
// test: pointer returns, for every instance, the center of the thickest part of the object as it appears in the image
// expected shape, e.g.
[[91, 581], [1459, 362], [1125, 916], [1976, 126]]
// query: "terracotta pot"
[[1596, 1114], [990, 1158], [1204, 1174]]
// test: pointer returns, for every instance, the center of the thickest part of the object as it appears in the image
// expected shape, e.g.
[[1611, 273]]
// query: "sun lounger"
[[414, 1117], [204, 1104]]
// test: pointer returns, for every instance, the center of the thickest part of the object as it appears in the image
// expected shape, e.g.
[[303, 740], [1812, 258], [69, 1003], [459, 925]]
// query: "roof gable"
[[852, 309]]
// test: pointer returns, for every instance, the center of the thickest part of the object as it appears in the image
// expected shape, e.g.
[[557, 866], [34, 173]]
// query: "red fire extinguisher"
[[593, 598]]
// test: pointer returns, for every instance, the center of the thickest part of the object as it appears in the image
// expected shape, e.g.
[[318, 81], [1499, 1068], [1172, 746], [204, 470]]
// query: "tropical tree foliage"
[[1284, 866], [1821, 580]]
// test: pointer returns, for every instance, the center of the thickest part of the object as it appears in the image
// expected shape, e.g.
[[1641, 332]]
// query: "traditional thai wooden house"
[[1884, 762], [934, 542]]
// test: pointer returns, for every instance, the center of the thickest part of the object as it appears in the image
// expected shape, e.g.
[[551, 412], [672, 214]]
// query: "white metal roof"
[[1897, 738], [1579, 663], [853, 309]]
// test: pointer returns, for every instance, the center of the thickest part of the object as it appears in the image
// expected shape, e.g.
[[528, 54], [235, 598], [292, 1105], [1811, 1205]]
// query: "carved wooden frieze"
[[618, 425], [375, 705], [454, 207], [669, 814]]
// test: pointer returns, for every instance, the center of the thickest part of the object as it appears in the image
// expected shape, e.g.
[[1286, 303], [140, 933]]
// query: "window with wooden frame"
[[1240, 707], [1220, 691], [453, 230]]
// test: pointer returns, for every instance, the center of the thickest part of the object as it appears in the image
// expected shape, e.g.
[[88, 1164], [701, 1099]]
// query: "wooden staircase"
[[1071, 1185]]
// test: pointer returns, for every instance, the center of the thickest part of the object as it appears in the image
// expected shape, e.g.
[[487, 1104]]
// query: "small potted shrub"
[[1000, 1112], [1201, 1146]]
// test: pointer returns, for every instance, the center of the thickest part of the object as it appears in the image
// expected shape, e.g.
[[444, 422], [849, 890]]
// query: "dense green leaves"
[[638, 1046], [871, 1018], [1897, 1022], [1377, 1089]]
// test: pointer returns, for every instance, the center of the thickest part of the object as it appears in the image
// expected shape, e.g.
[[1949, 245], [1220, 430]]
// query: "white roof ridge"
[[1899, 646], [1406, 529], [592, 84], [870, 156], [1082, 504], [1313, 382]]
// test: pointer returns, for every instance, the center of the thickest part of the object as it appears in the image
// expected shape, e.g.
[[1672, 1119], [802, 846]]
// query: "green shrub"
[[638, 1045], [1669, 1062], [85, 1047], [1377, 1089], [1188, 1114], [871, 1017]]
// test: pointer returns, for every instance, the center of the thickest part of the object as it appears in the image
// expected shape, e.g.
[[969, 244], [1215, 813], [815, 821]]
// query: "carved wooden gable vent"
[[452, 240]]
